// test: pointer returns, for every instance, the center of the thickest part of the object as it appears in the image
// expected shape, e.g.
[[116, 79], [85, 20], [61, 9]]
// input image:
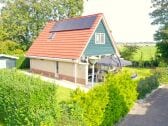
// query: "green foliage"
[[146, 85], [160, 14], [145, 64], [71, 115], [122, 95], [128, 52], [141, 56], [23, 63], [26, 101], [93, 104], [106, 103], [141, 72], [162, 73], [22, 20], [145, 53], [162, 48], [11, 48], [65, 91]]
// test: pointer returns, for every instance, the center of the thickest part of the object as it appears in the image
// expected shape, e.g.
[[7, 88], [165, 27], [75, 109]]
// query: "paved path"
[[63, 83], [152, 112]]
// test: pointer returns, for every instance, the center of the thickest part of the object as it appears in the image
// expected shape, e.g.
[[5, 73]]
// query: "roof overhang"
[[8, 56], [54, 59]]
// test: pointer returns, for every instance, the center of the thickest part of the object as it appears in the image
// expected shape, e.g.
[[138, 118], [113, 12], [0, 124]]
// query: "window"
[[52, 35], [99, 38]]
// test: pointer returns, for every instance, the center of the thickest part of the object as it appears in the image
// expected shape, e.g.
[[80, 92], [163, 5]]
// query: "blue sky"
[[129, 20]]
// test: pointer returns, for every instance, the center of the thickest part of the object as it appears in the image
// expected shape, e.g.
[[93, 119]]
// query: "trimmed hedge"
[[122, 95], [146, 85], [23, 63], [106, 104], [145, 64], [26, 100]]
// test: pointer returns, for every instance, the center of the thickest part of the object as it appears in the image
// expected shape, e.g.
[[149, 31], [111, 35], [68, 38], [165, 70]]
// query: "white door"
[[2, 64]]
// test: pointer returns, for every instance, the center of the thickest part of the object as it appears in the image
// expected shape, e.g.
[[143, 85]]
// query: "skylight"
[[52, 35]]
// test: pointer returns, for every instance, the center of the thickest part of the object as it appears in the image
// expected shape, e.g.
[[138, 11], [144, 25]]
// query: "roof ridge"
[[78, 17]]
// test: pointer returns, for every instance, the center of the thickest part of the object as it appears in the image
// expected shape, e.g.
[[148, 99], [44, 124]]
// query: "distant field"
[[145, 53]]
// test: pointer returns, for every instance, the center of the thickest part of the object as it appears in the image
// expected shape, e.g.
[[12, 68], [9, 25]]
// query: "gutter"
[[8, 56], [54, 59]]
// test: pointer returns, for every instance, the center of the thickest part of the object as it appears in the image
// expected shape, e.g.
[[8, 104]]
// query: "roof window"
[[52, 35]]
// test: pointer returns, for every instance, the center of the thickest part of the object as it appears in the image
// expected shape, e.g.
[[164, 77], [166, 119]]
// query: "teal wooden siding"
[[99, 49]]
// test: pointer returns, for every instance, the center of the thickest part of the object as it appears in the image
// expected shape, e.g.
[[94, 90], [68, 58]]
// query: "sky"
[[128, 20]]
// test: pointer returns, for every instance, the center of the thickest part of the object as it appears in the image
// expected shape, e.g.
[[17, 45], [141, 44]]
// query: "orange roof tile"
[[66, 44]]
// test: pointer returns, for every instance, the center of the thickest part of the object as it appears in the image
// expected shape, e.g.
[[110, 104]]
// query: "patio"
[[99, 67]]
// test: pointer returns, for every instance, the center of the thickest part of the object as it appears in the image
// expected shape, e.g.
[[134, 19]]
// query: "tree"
[[160, 16], [22, 20], [10, 47], [128, 52]]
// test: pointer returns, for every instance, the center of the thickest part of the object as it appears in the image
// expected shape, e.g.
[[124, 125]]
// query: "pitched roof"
[[67, 43]]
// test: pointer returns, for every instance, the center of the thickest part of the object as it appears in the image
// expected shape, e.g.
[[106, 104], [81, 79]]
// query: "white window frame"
[[52, 35], [98, 39]]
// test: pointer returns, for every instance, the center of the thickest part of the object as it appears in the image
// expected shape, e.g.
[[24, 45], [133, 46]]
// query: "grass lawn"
[[145, 53], [141, 72], [63, 94]]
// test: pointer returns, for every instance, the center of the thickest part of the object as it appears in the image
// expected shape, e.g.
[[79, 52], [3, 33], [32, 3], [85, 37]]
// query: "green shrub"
[[122, 95], [26, 100], [11, 48], [93, 104], [146, 85], [162, 73], [106, 103], [23, 63], [71, 115], [145, 63]]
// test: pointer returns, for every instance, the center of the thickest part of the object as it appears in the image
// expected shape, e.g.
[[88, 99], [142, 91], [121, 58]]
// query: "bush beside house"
[[23, 63], [162, 73], [26, 100], [107, 103], [146, 85], [30, 101]]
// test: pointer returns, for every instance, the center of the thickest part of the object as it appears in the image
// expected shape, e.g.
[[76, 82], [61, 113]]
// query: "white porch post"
[[93, 60], [92, 75], [86, 74]]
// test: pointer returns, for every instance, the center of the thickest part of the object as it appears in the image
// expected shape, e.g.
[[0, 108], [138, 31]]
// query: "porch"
[[99, 66]]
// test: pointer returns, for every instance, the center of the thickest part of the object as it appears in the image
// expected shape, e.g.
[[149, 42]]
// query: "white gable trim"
[[91, 37], [111, 36]]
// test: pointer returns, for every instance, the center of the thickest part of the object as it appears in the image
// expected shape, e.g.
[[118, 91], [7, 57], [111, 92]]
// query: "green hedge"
[[146, 85], [162, 73], [23, 63], [122, 95], [71, 115], [26, 100], [105, 104]]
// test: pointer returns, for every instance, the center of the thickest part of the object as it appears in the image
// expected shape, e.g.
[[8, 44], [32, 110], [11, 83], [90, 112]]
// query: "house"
[[62, 50], [7, 61]]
